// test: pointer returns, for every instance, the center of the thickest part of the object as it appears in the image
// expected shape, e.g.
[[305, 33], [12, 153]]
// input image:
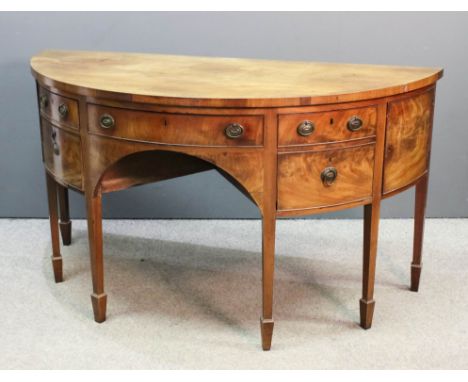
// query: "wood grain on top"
[[206, 81]]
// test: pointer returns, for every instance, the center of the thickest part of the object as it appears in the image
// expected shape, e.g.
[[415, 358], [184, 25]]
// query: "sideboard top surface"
[[222, 82]]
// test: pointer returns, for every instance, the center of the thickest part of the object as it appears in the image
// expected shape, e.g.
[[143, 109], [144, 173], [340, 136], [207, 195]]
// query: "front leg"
[[371, 232], [268, 265], [94, 212], [419, 212]]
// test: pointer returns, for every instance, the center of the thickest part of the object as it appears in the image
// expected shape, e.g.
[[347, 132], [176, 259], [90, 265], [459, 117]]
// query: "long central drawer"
[[180, 129]]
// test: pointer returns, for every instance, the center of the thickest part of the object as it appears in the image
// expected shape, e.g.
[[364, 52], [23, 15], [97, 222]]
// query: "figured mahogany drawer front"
[[62, 154], [409, 124], [329, 126], [61, 110], [325, 178], [182, 129]]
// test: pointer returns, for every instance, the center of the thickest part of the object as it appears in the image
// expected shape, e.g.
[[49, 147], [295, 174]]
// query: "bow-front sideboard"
[[296, 138]]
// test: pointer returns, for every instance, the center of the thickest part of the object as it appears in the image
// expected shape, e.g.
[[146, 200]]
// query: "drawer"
[[325, 178], [323, 127], [181, 129], [61, 110], [62, 154]]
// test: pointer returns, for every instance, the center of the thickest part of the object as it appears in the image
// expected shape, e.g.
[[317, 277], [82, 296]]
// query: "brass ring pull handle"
[[305, 128], [63, 110], [106, 121], [56, 148], [43, 101], [234, 130], [328, 176], [354, 123]]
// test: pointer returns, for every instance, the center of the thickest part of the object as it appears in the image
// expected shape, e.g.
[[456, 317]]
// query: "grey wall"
[[424, 39]]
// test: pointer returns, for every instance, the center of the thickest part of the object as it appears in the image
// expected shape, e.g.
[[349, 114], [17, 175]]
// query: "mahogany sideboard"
[[296, 138]]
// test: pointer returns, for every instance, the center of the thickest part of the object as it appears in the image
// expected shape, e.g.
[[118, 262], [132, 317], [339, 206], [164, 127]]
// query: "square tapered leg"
[[268, 265], [54, 228], [419, 217], [65, 222], [371, 230], [98, 297]]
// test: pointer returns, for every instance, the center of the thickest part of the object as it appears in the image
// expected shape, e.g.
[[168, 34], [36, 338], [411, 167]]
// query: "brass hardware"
[[305, 128], [234, 130], [56, 148], [63, 110], [106, 121], [328, 176], [43, 101], [354, 123]]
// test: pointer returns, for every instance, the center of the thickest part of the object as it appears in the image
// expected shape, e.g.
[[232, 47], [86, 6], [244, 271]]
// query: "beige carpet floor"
[[186, 294]]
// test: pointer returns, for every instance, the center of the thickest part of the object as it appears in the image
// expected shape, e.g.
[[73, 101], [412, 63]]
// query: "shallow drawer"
[[324, 178], [323, 127], [61, 110], [183, 129], [62, 154]]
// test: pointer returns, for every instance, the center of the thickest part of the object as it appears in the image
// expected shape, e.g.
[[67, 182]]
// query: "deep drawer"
[[325, 178], [62, 154]]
